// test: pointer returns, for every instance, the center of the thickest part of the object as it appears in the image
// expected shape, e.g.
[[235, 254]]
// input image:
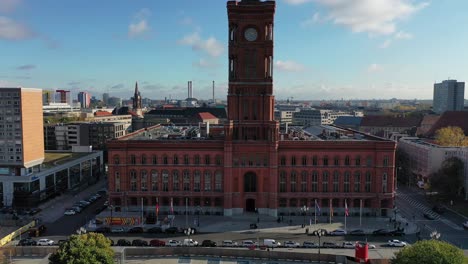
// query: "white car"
[[291, 244], [396, 243], [173, 243], [349, 245], [465, 225], [45, 242], [309, 244], [248, 243], [371, 246], [338, 232], [69, 212], [229, 243]]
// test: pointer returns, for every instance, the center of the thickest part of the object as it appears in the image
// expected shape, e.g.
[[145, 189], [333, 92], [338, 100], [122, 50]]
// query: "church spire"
[[136, 89]]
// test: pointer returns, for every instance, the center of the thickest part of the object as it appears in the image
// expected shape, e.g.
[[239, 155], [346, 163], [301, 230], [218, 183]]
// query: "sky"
[[324, 49]]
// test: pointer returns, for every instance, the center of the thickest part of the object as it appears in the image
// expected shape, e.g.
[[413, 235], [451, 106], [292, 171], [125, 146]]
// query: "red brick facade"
[[251, 169]]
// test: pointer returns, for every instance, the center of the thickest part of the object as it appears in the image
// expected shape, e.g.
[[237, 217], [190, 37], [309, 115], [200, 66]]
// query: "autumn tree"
[[430, 252], [90, 248], [451, 136], [448, 179]]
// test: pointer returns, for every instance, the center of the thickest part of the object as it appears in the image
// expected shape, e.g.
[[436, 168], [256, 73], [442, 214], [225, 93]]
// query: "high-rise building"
[[84, 99], [449, 95], [247, 164], [21, 135], [105, 98]]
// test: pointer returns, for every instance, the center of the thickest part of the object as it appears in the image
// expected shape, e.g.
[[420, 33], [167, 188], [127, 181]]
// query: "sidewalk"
[[269, 224], [53, 209]]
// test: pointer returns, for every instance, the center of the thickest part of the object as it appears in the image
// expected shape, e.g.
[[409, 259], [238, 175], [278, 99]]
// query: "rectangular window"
[[133, 182], [325, 161], [132, 159], [207, 159], [197, 160], [336, 181], [369, 161], [384, 182], [186, 160], [293, 161], [176, 160], [175, 181], [218, 160], [207, 181], [154, 180], [314, 161], [336, 161], [293, 182], [346, 161], [368, 181], [314, 181], [282, 185], [346, 182], [385, 161], [325, 181], [358, 161], [165, 161], [186, 181], [304, 182], [304, 160], [357, 181], [283, 161], [155, 159], [196, 181], [219, 182], [165, 181]]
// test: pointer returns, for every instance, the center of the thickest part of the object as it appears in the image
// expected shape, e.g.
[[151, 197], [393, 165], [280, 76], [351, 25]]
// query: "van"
[[271, 243], [188, 242]]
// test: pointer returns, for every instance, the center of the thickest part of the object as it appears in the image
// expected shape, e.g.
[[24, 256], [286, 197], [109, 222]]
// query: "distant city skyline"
[[324, 49]]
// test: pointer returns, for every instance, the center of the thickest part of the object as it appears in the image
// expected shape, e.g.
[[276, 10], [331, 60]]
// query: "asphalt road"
[[412, 204]]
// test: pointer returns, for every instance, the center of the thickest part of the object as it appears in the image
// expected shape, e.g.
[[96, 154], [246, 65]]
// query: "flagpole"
[[331, 210], [360, 212], [345, 214], [186, 212], [315, 217]]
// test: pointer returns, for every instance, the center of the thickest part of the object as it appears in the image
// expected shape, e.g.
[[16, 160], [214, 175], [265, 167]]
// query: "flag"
[[172, 207], [346, 210], [157, 208], [317, 207]]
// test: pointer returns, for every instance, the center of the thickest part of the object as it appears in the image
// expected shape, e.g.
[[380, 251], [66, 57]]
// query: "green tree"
[[451, 136], [448, 179], [430, 252], [91, 248]]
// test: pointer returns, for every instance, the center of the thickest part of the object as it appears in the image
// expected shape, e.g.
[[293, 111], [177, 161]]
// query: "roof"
[[390, 121], [102, 113], [348, 120], [206, 116], [450, 118], [189, 112], [427, 122]]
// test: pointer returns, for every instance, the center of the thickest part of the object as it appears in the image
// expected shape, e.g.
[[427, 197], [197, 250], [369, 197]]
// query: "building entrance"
[[250, 205]]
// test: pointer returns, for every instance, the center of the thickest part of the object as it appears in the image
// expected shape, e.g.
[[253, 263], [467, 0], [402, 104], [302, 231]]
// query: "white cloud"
[[290, 66], [403, 35], [140, 26], [374, 68], [211, 45], [296, 2], [7, 6], [205, 63], [11, 30], [376, 17]]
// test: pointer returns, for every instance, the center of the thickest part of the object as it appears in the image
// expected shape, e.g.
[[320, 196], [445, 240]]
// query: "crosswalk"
[[427, 210]]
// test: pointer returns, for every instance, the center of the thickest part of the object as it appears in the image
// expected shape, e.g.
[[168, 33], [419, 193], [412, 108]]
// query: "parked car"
[[102, 229], [171, 230], [136, 229], [291, 244], [208, 243], [123, 243], [117, 229], [27, 242], [157, 243], [338, 232], [84, 202], [381, 232], [77, 209], [347, 244], [155, 230], [173, 243], [229, 243], [45, 242], [271, 243], [309, 244], [357, 232], [371, 246], [189, 242], [330, 245], [429, 216], [69, 212], [248, 243], [396, 243], [139, 243]]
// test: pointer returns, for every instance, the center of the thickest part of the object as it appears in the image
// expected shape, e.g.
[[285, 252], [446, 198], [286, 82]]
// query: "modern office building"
[[449, 95], [247, 164], [84, 99]]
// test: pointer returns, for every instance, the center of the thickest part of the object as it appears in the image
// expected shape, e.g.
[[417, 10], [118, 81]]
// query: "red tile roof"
[[102, 113], [390, 121], [450, 118], [206, 116]]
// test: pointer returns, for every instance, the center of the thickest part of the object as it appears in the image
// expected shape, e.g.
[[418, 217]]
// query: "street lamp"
[[320, 233], [304, 211], [435, 235]]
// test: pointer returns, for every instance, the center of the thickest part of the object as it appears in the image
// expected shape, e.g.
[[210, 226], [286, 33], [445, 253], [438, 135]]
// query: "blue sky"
[[324, 49]]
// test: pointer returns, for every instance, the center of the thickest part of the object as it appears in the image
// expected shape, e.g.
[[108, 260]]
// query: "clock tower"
[[251, 145]]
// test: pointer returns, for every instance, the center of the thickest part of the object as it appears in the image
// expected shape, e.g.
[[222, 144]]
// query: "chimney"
[[188, 89], [213, 92]]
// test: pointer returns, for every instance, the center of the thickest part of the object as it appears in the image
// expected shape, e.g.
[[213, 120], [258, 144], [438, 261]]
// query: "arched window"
[[336, 181], [132, 159], [165, 180], [282, 181], [144, 180], [133, 180], [186, 176], [154, 159], [219, 181], [346, 161], [143, 159], [197, 160], [175, 180], [196, 181], [154, 180], [304, 181], [116, 159], [207, 181], [293, 181]]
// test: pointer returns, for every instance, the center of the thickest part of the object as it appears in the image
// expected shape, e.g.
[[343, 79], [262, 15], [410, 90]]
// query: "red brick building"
[[250, 165]]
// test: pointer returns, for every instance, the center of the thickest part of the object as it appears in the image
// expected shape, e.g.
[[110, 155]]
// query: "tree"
[[449, 178], [430, 252], [451, 136], [91, 248]]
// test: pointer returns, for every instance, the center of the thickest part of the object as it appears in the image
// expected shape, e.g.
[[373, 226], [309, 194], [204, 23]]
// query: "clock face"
[[250, 34]]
